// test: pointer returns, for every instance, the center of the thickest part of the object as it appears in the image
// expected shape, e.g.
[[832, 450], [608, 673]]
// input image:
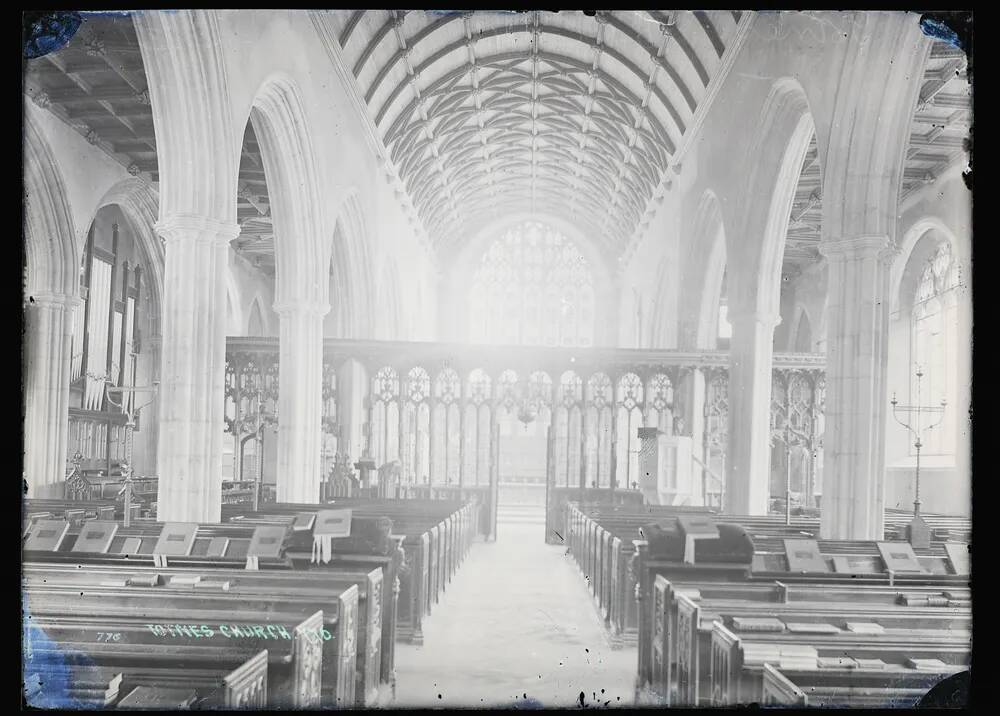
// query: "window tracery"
[[533, 287]]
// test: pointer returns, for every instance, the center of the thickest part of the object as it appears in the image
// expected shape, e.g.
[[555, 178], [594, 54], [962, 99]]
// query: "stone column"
[[749, 452], [693, 387], [49, 334], [856, 400], [193, 354], [300, 400], [351, 412]]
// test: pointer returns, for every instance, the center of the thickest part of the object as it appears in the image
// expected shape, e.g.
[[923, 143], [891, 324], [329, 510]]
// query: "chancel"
[[399, 358]]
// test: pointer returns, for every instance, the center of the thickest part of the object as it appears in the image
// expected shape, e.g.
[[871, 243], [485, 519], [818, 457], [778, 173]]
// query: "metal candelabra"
[[786, 435], [130, 410], [916, 429]]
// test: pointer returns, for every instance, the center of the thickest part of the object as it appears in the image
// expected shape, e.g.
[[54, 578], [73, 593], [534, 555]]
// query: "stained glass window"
[[533, 287]]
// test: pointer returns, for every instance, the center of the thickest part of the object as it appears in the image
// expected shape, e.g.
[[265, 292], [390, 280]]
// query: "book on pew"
[[217, 547], [797, 656], [870, 664], [804, 556], [899, 557], [864, 628], [836, 662], [926, 664], [144, 580], [176, 539], [131, 545], [806, 628], [693, 529], [757, 653], [158, 697], [96, 537], [185, 580], [219, 586], [47, 535], [758, 624]]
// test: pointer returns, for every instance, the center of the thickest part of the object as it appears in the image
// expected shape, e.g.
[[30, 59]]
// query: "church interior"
[[385, 358]]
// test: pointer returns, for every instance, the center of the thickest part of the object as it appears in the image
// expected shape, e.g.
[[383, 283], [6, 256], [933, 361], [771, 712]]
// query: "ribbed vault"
[[487, 113]]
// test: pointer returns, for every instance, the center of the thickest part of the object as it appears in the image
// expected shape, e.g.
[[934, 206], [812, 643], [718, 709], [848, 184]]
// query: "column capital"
[[301, 307], [862, 246], [51, 299], [192, 227]]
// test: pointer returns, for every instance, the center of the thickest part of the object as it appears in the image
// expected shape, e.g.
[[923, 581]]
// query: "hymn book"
[[96, 537], [47, 535], [176, 539]]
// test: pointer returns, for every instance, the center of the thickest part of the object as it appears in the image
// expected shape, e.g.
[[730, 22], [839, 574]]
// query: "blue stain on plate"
[[50, 31], [46, 673], [939, 31], [528, 703]]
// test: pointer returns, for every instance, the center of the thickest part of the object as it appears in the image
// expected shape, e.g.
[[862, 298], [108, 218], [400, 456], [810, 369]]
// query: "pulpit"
[[665, 474]]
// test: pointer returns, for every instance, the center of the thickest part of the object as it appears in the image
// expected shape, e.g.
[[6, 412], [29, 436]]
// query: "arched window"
[[725, 329], [934, 341], [255, 326], [533, 287], [803, 335]]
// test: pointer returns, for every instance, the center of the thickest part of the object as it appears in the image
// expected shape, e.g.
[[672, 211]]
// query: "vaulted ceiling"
[[489, 113], [486, 114]]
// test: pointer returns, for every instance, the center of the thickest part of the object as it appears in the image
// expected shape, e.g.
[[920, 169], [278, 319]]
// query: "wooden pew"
[[893, 686], [764, 597], [368, 630], [689, 641], [599, 540], [92, 686], [233, 556], [434, 545], [736, 679], [300, 655], [300, 558]]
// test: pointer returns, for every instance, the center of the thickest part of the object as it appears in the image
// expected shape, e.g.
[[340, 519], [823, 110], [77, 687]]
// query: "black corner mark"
[[950, 692]]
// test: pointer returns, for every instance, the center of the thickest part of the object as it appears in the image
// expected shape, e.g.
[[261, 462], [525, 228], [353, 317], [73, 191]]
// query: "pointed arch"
[[140, 203], [774, 162], [802, 336], [703, 273], [293, 181], [188, 86], [390, 315], [256, 323], [351, 270], [51, 253]]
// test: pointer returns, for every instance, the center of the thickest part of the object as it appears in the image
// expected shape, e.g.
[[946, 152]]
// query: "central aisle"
[[516, 627]]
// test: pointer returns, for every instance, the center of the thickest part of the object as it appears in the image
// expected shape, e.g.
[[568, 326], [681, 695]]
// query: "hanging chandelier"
[[527, 409]]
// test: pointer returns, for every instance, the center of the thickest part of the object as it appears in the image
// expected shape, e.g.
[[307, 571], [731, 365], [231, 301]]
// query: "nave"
[[378, 357], [518, 629]]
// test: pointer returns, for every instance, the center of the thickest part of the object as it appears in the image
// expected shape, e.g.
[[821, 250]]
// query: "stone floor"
[[516, 627]]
